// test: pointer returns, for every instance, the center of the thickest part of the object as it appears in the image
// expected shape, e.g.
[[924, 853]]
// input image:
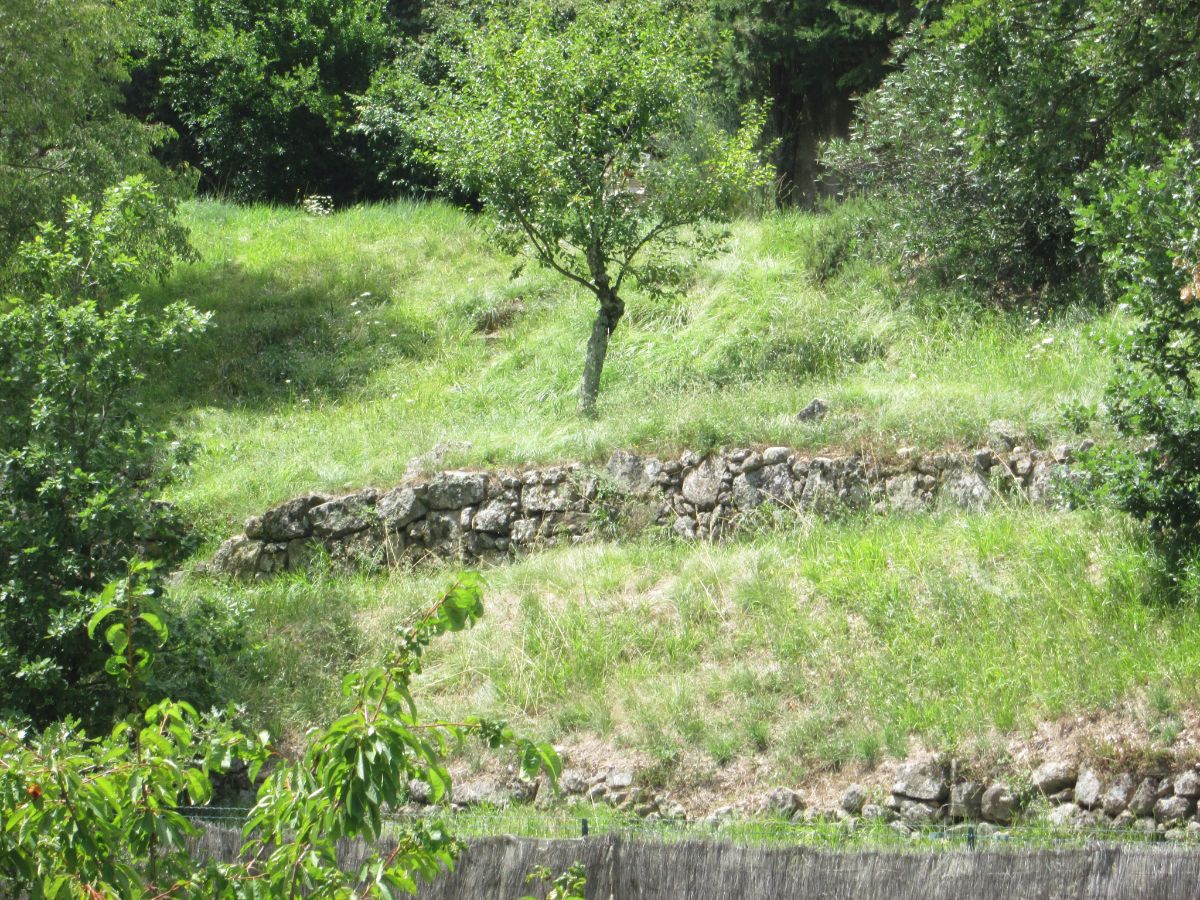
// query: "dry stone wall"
[[463, 516]]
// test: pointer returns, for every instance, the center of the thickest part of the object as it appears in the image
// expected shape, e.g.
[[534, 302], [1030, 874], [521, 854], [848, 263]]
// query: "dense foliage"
[[78, 462], [262, 93], [806, 60], [982, 140], [587, 139], [94, 818], [63, 134]]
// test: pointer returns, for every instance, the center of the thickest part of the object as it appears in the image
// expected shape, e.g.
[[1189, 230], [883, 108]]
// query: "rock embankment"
[[925, 793], [466, 515]]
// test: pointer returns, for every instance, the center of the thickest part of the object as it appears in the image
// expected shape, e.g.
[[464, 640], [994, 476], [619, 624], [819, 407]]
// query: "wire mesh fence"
[[600, 822]]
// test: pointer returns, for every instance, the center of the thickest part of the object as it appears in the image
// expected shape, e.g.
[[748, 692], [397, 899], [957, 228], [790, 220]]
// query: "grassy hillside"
[[345, 346]]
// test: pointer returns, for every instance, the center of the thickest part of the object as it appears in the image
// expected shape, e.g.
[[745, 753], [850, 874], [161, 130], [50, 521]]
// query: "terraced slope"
[[353, 349]]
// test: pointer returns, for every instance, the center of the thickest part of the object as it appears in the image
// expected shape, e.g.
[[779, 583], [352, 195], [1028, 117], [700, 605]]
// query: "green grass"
[[344, 346], [805, 648]]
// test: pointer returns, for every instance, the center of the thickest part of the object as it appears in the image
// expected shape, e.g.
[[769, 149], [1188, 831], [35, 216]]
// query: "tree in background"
[[585, 135], [808, 60], [262, 93], [63, 134], [979, 144]]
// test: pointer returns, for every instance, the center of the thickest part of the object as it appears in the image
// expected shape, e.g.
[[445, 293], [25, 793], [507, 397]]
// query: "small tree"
[[585, 135]]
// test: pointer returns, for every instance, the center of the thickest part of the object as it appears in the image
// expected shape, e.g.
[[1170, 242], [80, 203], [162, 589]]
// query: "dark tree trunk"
[[607, 317]]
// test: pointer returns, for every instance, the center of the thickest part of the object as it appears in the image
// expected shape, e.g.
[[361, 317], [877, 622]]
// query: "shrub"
[[88, 817], [78, 464]]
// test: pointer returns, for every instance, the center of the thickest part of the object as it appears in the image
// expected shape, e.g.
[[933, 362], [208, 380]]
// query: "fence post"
[[583, 828], [971, 837]]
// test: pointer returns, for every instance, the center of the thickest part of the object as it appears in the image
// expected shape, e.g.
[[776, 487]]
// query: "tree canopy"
[[586, 137]]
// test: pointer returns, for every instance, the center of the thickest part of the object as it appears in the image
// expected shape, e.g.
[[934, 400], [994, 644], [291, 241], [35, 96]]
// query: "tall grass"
[[806, 647], [346, 345]]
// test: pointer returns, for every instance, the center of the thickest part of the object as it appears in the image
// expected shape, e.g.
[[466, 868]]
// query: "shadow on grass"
[[271, 340]]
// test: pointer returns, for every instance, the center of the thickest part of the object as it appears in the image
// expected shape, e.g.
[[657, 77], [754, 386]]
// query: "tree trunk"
[[607, 317]]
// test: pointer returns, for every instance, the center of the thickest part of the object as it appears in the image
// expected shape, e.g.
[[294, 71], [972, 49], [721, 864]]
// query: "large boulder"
[[966, 800], [1143, 799], [1187, 784], [344, 515], [1087, 789], [399, 506], [238, 556], [998, 804], [632, 474], [1120, 792], [923, 780], [546, 497], [1171, 810], [454, 490], [290, 520], [781, 801], [1054, 776], [702, 485]]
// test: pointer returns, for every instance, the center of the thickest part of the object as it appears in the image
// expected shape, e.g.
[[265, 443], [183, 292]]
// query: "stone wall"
[[463, 516]]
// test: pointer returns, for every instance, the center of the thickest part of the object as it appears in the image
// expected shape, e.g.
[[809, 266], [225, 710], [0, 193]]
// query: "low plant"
[[99, 817]]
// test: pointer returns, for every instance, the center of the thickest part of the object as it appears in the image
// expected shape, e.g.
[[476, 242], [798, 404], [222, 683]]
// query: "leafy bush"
[[1146, 220], [78, 464], [262, 93], [99, 817], [982, 140]]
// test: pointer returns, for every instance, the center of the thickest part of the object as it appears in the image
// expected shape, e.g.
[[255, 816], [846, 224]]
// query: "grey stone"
[[454, 490], [815, 410], [875, 811], [1065, 815], [773, 456], [1054, 776], [904, 494], [1170, 810], [1002, 435], [290, 520], [999, 804], [968, 490], [342, 516], [781, 801], [494, 518], [918, 812], [922, 780], [685, 527], [1166, 788], [854, 799], [1187, 784], [773, 482], [620, 779], [597, 792], [524, 531], [1142, 801], [546, 497], [1087, 789], [966, 799], [1124, 819], [632, 474], [238, 556], [702, 485], [253, 527], [399, 506], [1120, 792], [482, 793]]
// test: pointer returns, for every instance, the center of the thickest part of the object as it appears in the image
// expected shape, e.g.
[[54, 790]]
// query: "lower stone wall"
[[466, 515]]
